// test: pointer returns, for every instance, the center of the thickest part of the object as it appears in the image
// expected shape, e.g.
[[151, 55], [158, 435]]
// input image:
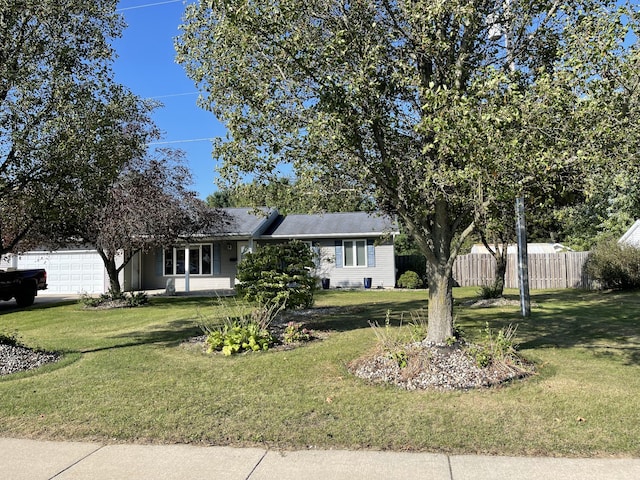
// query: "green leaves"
[[66, 126], [278, 274], [416, 101]]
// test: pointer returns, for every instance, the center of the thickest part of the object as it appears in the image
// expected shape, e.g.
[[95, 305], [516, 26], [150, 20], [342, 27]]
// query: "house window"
[[200, 260], [355, 253]]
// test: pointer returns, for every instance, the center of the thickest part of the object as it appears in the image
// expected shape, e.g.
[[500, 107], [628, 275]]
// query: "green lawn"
[[127, 377]]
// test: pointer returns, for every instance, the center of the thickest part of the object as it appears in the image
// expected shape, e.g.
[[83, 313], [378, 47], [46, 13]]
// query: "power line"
[[147, 5]]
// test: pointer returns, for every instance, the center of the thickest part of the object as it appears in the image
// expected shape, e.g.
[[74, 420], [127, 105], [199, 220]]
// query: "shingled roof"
[[247, 221], [355, 224]]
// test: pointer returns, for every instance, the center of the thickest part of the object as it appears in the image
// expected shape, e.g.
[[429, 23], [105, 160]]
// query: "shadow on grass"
[[168, 335], [355, 317], [41, 304], [606, 322]]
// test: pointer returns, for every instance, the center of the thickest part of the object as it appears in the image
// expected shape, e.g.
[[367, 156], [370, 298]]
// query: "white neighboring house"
[[349, 247], [632, 236]]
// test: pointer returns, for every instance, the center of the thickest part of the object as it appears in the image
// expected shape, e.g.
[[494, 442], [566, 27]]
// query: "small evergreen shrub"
[[614, 265], [279, 274], [409, 279]]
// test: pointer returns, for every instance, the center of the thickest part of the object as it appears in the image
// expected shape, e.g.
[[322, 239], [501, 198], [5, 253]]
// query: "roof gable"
[[247, 221], [632, 236]]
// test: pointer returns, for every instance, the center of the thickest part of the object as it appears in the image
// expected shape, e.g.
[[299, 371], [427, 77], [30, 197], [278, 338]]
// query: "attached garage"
[[68, 271]]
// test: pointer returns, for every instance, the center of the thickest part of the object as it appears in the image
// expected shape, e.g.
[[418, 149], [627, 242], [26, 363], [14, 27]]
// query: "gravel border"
[[15, 358], [436, 367]]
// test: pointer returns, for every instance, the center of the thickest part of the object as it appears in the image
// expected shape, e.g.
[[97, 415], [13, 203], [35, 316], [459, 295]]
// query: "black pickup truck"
[[23, 285]]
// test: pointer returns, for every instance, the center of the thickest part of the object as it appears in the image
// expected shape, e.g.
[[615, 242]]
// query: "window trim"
[[174, 263], [354, 243]]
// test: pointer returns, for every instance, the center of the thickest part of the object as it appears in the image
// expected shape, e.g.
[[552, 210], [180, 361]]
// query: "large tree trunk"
[[439, 267], [435, 235], [440, 305], [501, 271], [112, 272]]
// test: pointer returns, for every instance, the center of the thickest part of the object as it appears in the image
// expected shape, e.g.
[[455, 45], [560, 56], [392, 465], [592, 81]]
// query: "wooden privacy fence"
[[546, 270]]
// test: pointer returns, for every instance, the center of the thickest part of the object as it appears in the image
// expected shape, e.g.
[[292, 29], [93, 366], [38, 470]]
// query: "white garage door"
[[73, 271]]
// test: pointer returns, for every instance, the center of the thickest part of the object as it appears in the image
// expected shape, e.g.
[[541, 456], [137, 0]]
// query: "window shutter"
[[339, 260], [159, 262], [217, 261], [371, 253]]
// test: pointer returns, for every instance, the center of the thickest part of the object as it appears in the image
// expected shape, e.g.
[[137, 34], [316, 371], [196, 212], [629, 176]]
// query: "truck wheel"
[[26, 297]]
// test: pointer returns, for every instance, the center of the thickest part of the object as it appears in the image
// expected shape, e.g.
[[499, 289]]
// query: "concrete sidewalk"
[[37, 460]]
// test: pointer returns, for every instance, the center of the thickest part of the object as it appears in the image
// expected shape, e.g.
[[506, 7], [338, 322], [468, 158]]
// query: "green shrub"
[[414, 262], [247, 332], [137, 299], [279, 274], [294, 332], [487, 292], [238, 337], [114, 299], [614, 265], [410, 279], [89, 301]]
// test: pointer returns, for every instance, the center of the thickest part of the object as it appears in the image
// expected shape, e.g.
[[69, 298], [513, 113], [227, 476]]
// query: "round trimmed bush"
[[409, 279]]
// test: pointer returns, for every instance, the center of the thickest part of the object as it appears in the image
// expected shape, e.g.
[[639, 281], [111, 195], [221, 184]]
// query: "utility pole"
[[521, 228], [523, 259]]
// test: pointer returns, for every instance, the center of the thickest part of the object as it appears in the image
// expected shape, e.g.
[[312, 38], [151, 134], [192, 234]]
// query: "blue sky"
[[146, 65]]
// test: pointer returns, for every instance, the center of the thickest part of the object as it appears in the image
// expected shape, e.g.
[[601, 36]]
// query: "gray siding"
[[383, 274], [153, 277]]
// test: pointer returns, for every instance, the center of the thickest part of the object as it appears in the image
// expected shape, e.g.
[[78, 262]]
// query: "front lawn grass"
[[129, 378]]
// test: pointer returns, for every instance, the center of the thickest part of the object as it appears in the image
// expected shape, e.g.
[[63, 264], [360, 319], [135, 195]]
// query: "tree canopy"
[[65, 124], [437, 109], [291, 196], [149, 205]]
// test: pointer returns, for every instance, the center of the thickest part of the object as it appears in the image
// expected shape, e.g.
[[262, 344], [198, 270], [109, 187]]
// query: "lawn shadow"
[[168, 335], [606, 322], [41, 303], [355, 317]]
